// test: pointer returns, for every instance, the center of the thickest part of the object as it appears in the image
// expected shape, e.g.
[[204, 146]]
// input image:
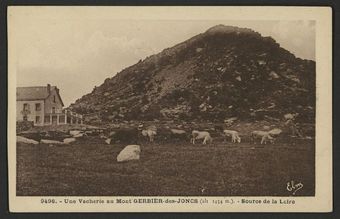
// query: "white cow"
[[264, 135], [201, 135], [149, 133], [233, 134]]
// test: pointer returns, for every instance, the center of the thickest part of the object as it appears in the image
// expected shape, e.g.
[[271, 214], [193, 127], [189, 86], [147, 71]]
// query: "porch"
[[63, 117]]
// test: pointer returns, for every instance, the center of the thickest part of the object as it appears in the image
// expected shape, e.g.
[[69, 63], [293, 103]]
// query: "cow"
[[264, 135], [149, 133], [229, 133], [201, 135], [233, 134]]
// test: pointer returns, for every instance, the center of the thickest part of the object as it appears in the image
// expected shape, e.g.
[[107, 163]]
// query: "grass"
[[219, 169]]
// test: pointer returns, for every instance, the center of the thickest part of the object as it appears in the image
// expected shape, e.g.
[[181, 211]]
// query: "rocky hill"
[[224, 72]]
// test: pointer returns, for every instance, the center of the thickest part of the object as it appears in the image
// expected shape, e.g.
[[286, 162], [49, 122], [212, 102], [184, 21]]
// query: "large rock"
[[79, 135], [75, 132], [130, 152], [46, 141], [69, 140], [108, 141], [26, 140]]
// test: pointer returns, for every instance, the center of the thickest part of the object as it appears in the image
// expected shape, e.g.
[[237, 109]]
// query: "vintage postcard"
[[170, 109]]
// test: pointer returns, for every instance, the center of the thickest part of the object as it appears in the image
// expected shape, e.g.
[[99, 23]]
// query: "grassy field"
[[219, 169]]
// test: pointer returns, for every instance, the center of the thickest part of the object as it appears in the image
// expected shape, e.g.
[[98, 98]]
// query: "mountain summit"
[[226, 71]]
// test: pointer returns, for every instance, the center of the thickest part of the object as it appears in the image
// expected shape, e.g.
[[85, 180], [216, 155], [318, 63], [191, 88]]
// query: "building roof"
[[35, 93]]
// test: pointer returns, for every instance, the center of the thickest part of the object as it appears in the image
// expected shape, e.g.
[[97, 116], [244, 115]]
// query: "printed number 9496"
[[47, 201]]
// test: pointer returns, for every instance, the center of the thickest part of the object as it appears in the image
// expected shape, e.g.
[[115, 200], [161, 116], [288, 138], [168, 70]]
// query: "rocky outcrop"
[[222, 73]]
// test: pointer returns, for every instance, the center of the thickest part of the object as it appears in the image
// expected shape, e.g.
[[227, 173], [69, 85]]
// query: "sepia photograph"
[[117, 107]]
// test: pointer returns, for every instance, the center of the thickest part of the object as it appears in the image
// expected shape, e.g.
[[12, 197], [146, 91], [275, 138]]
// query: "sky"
[[77, 53]]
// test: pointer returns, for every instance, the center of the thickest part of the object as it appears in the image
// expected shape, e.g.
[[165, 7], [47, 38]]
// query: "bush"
[[24, 126]]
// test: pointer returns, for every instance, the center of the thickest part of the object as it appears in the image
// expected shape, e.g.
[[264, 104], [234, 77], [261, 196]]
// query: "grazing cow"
[[265, 136], [229, 133], [233, 134], [201, 135], [149, 133]]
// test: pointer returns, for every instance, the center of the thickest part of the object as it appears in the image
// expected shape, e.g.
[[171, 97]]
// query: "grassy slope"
[[168, 169]]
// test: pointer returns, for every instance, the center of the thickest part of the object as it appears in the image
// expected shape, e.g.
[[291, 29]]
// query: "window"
[[37, 107], [37, 119], [62, 119], [47, 119], [26, 106], [25, 111], [53, 99], [53, 109]]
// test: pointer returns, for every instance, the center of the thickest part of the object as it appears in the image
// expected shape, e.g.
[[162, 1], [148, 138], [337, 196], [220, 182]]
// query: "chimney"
[[48, 88]]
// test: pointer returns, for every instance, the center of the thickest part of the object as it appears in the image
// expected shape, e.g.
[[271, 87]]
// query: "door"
[[54, 120]]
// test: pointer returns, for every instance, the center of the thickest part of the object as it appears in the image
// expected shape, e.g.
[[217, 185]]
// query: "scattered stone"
[[130, 152], [46, 141], [69, 140], [75, 132], [199, 49], [261, 62], [26, 140], [272, 74], [108, 141]]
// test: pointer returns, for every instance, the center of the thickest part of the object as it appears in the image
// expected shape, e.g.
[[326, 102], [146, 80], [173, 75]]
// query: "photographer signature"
[[292, 187]]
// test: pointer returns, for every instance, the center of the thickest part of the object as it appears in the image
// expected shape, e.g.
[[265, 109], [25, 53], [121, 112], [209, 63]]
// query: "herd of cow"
[[150, 132]]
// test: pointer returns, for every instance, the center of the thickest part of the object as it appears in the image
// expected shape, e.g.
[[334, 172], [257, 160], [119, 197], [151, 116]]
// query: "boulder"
[[75, 132], [273, 75], [108, 141], [289, 116], [46, 141], [130, 152], [112, 133], [26, 140], [79, 135], [69, 140]]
